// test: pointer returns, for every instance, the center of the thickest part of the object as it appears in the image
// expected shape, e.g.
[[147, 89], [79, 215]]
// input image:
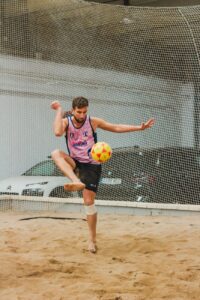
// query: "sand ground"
[[139, 258]]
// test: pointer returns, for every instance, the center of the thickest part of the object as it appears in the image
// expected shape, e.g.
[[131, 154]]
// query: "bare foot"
[[74, 186], [92, 248]]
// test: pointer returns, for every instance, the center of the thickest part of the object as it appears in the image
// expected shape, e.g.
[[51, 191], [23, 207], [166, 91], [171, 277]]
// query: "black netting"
[[133, 63]]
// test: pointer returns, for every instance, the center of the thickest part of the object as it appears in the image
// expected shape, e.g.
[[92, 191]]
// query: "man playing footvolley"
[[83, 172]]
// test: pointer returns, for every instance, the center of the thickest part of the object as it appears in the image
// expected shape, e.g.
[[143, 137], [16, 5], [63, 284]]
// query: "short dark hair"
[[79, 102]]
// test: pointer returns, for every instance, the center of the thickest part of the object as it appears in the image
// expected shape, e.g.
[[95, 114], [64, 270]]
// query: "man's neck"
[[77, 124]]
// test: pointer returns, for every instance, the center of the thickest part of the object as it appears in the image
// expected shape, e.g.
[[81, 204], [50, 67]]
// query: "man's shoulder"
[[94, 119], [65, 121], [95, 122]]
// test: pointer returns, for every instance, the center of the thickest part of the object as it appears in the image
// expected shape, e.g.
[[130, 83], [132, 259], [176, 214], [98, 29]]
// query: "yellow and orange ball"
[[101, 152]]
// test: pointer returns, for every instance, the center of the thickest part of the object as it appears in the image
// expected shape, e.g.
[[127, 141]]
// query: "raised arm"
[[120, 128], [59, 124]]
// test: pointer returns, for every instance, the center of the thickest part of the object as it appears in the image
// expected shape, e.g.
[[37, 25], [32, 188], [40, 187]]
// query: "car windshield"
[[44, 168], [197, 160], [183, 161], [130, 162]]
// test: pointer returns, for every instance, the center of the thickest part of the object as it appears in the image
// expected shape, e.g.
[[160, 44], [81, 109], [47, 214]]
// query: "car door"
[[178, 175]]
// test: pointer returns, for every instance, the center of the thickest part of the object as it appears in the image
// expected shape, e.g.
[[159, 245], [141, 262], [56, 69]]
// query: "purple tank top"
[[80, 141]]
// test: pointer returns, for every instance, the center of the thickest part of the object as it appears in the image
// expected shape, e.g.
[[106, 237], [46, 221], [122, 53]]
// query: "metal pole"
[[197, 115]]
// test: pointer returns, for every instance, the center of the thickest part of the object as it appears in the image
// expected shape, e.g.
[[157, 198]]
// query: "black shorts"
[[89, 174]]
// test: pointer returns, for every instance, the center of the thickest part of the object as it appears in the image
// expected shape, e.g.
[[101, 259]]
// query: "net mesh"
[[132, 63]]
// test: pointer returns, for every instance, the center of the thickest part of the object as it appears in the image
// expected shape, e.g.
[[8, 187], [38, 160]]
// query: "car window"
[[197, 158], [44, 168], [130, 163], [180, 161], [190, 161]]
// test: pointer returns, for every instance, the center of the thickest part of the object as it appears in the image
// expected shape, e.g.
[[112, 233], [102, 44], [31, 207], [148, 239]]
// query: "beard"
[[80, 121]]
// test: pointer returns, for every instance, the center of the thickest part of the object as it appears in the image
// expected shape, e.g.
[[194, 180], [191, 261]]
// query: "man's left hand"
[[148, 124]]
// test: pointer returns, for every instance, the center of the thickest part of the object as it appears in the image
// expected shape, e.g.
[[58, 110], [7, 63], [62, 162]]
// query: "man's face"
[[80, 114]]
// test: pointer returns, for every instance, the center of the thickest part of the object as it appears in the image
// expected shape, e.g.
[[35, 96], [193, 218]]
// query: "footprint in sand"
[[118, 259]]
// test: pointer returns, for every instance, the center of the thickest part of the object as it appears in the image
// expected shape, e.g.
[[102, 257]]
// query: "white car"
[[43, 180]]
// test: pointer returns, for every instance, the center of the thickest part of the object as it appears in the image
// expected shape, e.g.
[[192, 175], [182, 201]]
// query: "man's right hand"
[[55, 105]]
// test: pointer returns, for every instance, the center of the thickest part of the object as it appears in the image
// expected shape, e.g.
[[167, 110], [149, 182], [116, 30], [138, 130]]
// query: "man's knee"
[[55, 154], [90, 209]]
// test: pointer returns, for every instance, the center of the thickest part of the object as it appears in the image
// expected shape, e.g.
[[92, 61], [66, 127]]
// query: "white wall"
[[27, 88]]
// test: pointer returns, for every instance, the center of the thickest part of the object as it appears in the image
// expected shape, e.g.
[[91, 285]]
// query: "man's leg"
[[67, 165], [88, 197]]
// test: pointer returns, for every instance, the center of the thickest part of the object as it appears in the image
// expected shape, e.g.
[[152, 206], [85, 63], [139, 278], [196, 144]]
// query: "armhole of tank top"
[[66, 137], [68, 117], [93, 132]]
